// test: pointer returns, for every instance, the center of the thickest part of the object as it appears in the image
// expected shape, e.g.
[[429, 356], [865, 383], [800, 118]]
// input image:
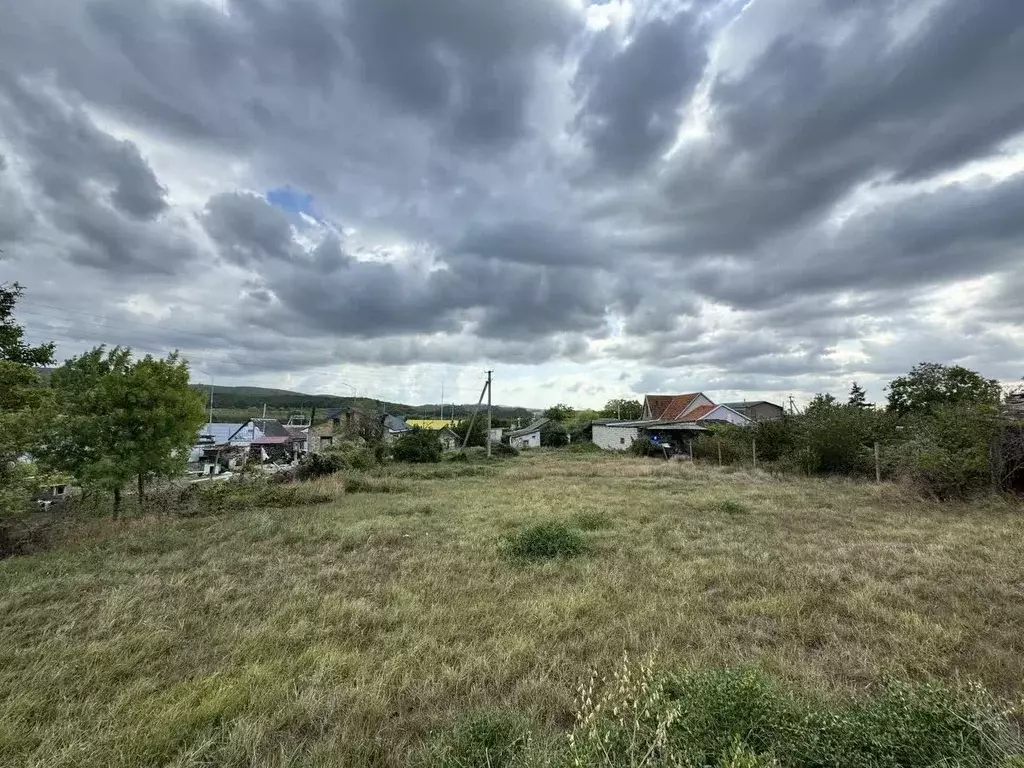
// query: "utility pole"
[[210, 426], [472, 421], [489, 413]]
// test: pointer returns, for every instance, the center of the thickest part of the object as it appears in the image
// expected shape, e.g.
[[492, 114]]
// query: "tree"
[[821, 402], [121, 418], [478, 435], [24, 403], [623, 409], [554, 435], [930, 385], [858, 397], [560, 412], [420, 446]]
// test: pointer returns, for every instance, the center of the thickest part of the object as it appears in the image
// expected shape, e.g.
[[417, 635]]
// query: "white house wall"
[[612, 438], [531, 440], [721, 413]]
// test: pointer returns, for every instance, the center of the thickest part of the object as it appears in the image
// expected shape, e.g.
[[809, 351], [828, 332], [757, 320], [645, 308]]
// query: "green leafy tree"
[[477, 434], [821, 402], [24, 402], [561, 412], [554, 435], [419, 446], [122, 418], [930, 385], [858, 397], [623, 409]]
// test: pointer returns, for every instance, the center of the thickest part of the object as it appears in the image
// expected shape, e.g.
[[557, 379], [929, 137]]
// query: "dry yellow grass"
[[342, 634]]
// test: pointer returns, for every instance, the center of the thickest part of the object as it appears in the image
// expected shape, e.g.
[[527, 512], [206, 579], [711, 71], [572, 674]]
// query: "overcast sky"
[[596, 200]]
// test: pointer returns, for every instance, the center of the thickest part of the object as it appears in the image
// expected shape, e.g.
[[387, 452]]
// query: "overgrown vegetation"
[[351, 631], [418, 446], [544, 541]]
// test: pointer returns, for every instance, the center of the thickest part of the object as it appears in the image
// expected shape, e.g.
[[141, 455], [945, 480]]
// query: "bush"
[[319, 465], [740, 718], [503, 450], [948, 455], [554, 435], [419, 446], [583, 447], [643, 448], [545, 541]]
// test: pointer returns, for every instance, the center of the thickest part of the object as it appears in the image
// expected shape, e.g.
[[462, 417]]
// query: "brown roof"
[[679, 404], [700, 412], [658, 404]]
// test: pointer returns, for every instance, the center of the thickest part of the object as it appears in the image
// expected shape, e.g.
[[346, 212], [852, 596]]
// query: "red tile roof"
[[700, 412], [658, 404]]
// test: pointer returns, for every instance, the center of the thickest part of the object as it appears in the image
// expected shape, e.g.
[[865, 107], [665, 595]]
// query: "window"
[[622, 441]]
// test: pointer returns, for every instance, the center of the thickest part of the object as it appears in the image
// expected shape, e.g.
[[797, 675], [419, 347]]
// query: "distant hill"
[[253, 399]]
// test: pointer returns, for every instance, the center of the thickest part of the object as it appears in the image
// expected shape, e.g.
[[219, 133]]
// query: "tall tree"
[[23, 401], [623, 409], [929, 385], [858, 397], [122, 418], [560, 412], [821, 402]]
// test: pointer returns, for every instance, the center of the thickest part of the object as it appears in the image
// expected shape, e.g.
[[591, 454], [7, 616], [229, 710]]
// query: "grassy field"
[[346, 633]]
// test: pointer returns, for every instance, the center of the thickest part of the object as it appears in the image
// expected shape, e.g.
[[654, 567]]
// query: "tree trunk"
[[142, 492], [117, 502]]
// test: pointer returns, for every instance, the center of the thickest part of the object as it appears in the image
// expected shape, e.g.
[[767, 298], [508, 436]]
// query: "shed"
[[528, 436]]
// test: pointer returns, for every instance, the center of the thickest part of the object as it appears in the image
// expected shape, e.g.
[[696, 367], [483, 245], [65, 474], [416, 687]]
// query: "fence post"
[[719, 440], [878, 465], [753, 445], [689, 444]]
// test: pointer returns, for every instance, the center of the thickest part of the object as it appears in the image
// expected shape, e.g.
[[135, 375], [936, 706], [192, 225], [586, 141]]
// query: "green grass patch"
[[488, 740], [544, 541], [592, 520], [369, 484], [731, 507]]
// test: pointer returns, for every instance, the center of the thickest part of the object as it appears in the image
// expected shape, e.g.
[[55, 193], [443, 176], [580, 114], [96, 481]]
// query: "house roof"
[[700, 412], [657, 404], [395, 424], [529, 429], [272, 428], [748, 404], [223, 432], [670, 406], [277, 440], [447, 431]]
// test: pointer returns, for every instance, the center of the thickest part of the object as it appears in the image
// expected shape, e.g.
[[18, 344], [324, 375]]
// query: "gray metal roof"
[[529, 429], [395, 424]]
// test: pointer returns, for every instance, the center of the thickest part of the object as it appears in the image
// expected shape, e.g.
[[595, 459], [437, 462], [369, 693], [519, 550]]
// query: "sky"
[[754, 199]]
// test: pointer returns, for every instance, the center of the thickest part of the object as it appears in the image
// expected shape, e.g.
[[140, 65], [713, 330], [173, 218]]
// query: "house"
[[614, 435], [222, 433], [758, 410], [449, 440], [717, 414], [335, 425], [394, 427], [528, 436], [673, 407], [496, 434]]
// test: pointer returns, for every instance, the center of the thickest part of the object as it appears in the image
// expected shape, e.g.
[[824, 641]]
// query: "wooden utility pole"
[[719, 451], [753, 446], [489, 413], [878, 465]]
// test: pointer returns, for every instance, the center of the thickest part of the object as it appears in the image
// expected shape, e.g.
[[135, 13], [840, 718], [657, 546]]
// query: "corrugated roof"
[[223, 432], [395, 424], [530, 428]]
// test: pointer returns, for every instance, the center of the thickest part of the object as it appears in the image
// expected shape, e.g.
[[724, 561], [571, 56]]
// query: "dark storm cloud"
[[491, 179], [809, 119], [633, 96], [94, 189]]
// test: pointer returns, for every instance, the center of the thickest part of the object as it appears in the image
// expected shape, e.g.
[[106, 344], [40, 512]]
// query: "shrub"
[[419, 446], [544, 541], [554, 435], [319, 465], [643, 448], [459, 456], [740, 718], [583, 447], [503, 450]]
